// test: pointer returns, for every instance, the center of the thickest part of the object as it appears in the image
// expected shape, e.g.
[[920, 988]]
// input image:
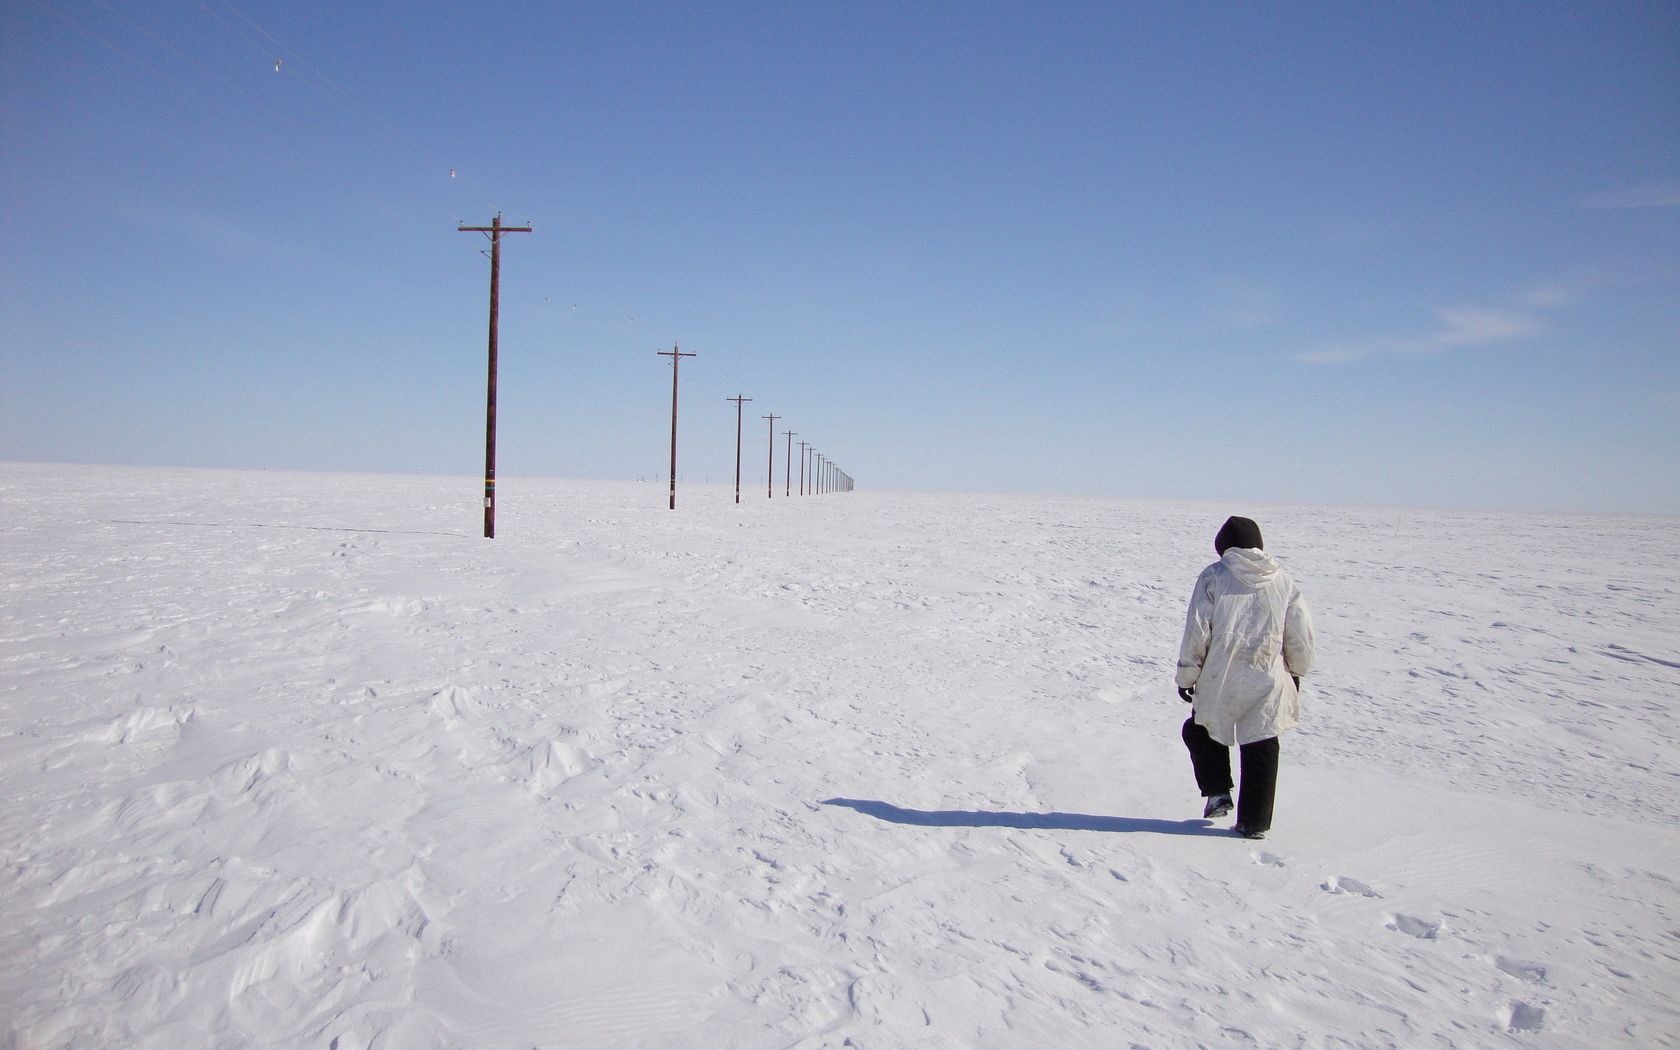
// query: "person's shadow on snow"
[[970, 818]]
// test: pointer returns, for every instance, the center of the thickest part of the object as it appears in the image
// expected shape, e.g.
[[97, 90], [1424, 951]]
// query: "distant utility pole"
[[818, 465], [787, 465], [495, 230], [771, 470], [802, 447], [737, 399], [676, 355]]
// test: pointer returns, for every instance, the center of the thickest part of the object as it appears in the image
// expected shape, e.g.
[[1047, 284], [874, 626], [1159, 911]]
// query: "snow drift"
[[299, 760]]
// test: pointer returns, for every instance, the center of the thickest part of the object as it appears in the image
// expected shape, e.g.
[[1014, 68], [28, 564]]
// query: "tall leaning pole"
[[676, 355], [495, 230]]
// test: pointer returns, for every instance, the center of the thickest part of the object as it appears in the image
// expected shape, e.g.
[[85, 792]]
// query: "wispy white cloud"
[[1650, 195], [1339, 356], [1456, 327], [1550, 296], [1479, 326]]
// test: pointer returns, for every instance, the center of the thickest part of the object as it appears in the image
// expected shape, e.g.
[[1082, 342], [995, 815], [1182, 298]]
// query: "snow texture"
[[300, 760]]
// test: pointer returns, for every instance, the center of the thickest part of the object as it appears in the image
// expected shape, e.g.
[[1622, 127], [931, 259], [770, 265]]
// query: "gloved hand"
[[1187, 695]]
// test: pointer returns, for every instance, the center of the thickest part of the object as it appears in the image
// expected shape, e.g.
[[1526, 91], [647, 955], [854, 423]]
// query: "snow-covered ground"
[[300, 760]]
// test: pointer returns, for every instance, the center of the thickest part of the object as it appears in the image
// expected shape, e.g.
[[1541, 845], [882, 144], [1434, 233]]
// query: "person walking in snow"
[[1248, 639]]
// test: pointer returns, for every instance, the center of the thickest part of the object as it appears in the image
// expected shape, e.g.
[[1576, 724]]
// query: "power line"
[[137, 60], [318, 81], [327, 88], [223, 83]]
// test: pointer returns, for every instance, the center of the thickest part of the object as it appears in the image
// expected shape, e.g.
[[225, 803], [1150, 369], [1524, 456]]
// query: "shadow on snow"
[[966, 818]]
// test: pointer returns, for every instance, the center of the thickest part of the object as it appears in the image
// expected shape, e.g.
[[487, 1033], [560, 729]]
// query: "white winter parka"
[[1248, 631]]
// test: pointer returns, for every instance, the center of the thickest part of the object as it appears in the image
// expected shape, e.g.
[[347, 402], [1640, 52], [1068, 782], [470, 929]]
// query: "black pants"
[[1213, 773]]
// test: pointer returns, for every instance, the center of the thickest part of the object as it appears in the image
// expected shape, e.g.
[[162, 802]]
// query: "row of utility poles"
[[825, 476]]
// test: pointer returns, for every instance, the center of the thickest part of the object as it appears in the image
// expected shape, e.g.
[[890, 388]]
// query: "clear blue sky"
[[1398, 254]]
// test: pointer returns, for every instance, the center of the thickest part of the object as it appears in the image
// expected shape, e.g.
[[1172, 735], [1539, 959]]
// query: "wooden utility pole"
[[737, 399], [495, 230], [676, 355], [787, 465], [770, 471], [802, 447]]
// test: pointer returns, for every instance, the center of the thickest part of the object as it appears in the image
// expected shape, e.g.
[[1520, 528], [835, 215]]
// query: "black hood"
[[1238, 532]]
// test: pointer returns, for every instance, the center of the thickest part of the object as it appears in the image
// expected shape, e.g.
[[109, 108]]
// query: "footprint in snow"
[[1525, 1018], [1270, 860], [1533, 973], [1411, 926], [1344, 884]]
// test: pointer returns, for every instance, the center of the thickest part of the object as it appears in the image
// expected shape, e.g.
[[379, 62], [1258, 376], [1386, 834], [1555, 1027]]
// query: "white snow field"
[[295, 760]]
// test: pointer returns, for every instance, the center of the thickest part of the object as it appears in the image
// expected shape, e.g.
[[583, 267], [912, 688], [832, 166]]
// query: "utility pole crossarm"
[[493, 229]]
